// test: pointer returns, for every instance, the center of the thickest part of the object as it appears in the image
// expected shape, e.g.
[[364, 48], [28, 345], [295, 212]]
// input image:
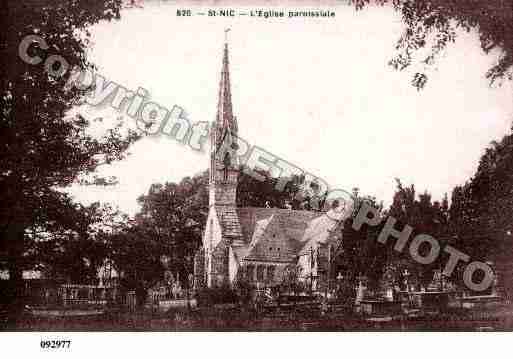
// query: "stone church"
[[256, 243]]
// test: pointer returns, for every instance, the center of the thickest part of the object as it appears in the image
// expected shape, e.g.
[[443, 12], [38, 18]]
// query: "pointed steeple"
[[224, 167], [225, 120]]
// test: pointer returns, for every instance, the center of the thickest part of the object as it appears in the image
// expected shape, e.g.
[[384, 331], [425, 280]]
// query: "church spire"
[[225, 119], [224, 169]]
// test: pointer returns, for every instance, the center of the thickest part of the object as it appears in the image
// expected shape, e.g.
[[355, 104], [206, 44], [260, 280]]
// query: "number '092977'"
[[55, 344]]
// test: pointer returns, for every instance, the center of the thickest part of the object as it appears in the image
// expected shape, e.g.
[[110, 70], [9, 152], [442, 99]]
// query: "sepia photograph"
[[255, 166]]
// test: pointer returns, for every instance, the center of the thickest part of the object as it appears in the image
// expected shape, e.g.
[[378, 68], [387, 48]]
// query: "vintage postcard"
[[256, 166]]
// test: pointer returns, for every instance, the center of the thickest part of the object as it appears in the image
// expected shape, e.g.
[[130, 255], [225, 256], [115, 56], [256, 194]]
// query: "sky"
[[318, 93]]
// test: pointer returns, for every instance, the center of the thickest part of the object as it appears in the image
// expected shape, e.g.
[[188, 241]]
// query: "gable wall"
[[274, 246], [216, 251], [212, 235], [233, 266]]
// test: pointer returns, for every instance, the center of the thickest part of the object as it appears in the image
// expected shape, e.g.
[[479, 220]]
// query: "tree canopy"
[[44, 147], [434, 24], [482, 209]]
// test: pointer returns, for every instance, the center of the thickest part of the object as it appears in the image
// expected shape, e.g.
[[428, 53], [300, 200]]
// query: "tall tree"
[[482, 209], [174, 215], [72, 247], [252, 192], [359, 254], [42, 147], [137, 257], [425, 217]]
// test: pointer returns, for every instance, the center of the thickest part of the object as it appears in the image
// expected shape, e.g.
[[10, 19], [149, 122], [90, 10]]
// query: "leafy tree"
[[136, 256], [434, 24], [362, 255], [45, 148], [252, 192], [359, 253], [481, 210], [425, 217], [174, 215]]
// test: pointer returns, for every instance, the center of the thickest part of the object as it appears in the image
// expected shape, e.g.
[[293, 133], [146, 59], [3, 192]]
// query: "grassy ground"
[[291, 319]]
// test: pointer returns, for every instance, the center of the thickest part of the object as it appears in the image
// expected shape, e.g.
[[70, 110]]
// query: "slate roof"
[[272, 234], [294, 223], [229, 221]]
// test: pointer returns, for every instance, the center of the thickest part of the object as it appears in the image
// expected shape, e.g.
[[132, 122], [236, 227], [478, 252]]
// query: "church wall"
[[319, 271], [274, 247], [223, 192], [212, 235], [219, 274], [215, 250], [304, 267], [252, 268], [233, 266]]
